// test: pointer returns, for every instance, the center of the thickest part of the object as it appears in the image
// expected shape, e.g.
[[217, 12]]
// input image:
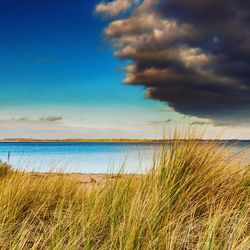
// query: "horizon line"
[[110, 140]]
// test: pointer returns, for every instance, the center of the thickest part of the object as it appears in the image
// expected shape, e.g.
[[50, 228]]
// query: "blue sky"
[[51, 52], [56, 62]]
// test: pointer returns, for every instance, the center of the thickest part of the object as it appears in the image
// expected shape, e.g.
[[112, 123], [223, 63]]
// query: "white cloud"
[[114, 8]]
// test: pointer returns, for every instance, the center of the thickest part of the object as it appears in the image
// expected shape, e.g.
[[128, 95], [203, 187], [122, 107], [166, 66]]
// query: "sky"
[[124, 68]]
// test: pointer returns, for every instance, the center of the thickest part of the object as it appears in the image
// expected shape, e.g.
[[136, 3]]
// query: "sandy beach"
[[86, 180]]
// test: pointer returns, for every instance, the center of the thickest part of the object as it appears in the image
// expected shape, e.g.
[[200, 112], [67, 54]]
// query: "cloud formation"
[[200, 123], [51, 118], [42, 119], [114, 8], [20, 119], [161, 122], [193, 55]]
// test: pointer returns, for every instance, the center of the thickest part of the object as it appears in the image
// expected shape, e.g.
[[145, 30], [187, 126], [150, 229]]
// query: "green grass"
[[195, 196]]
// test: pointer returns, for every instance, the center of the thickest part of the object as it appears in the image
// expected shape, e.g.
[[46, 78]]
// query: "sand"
[[84, 179]]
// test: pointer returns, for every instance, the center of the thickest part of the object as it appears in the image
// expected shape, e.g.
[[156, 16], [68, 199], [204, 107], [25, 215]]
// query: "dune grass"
[[195, 196]]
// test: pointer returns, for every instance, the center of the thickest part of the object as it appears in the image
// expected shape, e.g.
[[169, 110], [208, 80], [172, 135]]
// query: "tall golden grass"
[[195, 196]]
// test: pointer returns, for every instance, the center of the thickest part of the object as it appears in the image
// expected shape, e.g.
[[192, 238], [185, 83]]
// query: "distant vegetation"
[[121, 140], [78, 140], [196, 196]]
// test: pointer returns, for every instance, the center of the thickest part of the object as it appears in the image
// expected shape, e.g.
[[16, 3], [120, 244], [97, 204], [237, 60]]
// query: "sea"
[[90, 157]]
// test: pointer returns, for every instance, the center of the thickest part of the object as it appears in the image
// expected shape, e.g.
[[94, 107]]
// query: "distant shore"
[[113, 140], [81, 140]]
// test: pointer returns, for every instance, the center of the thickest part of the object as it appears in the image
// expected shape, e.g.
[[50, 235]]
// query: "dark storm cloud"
[[193, 55]]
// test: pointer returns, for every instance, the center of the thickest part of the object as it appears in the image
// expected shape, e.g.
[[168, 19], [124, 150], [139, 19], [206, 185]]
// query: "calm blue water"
[[78, 157], [84, 157]]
